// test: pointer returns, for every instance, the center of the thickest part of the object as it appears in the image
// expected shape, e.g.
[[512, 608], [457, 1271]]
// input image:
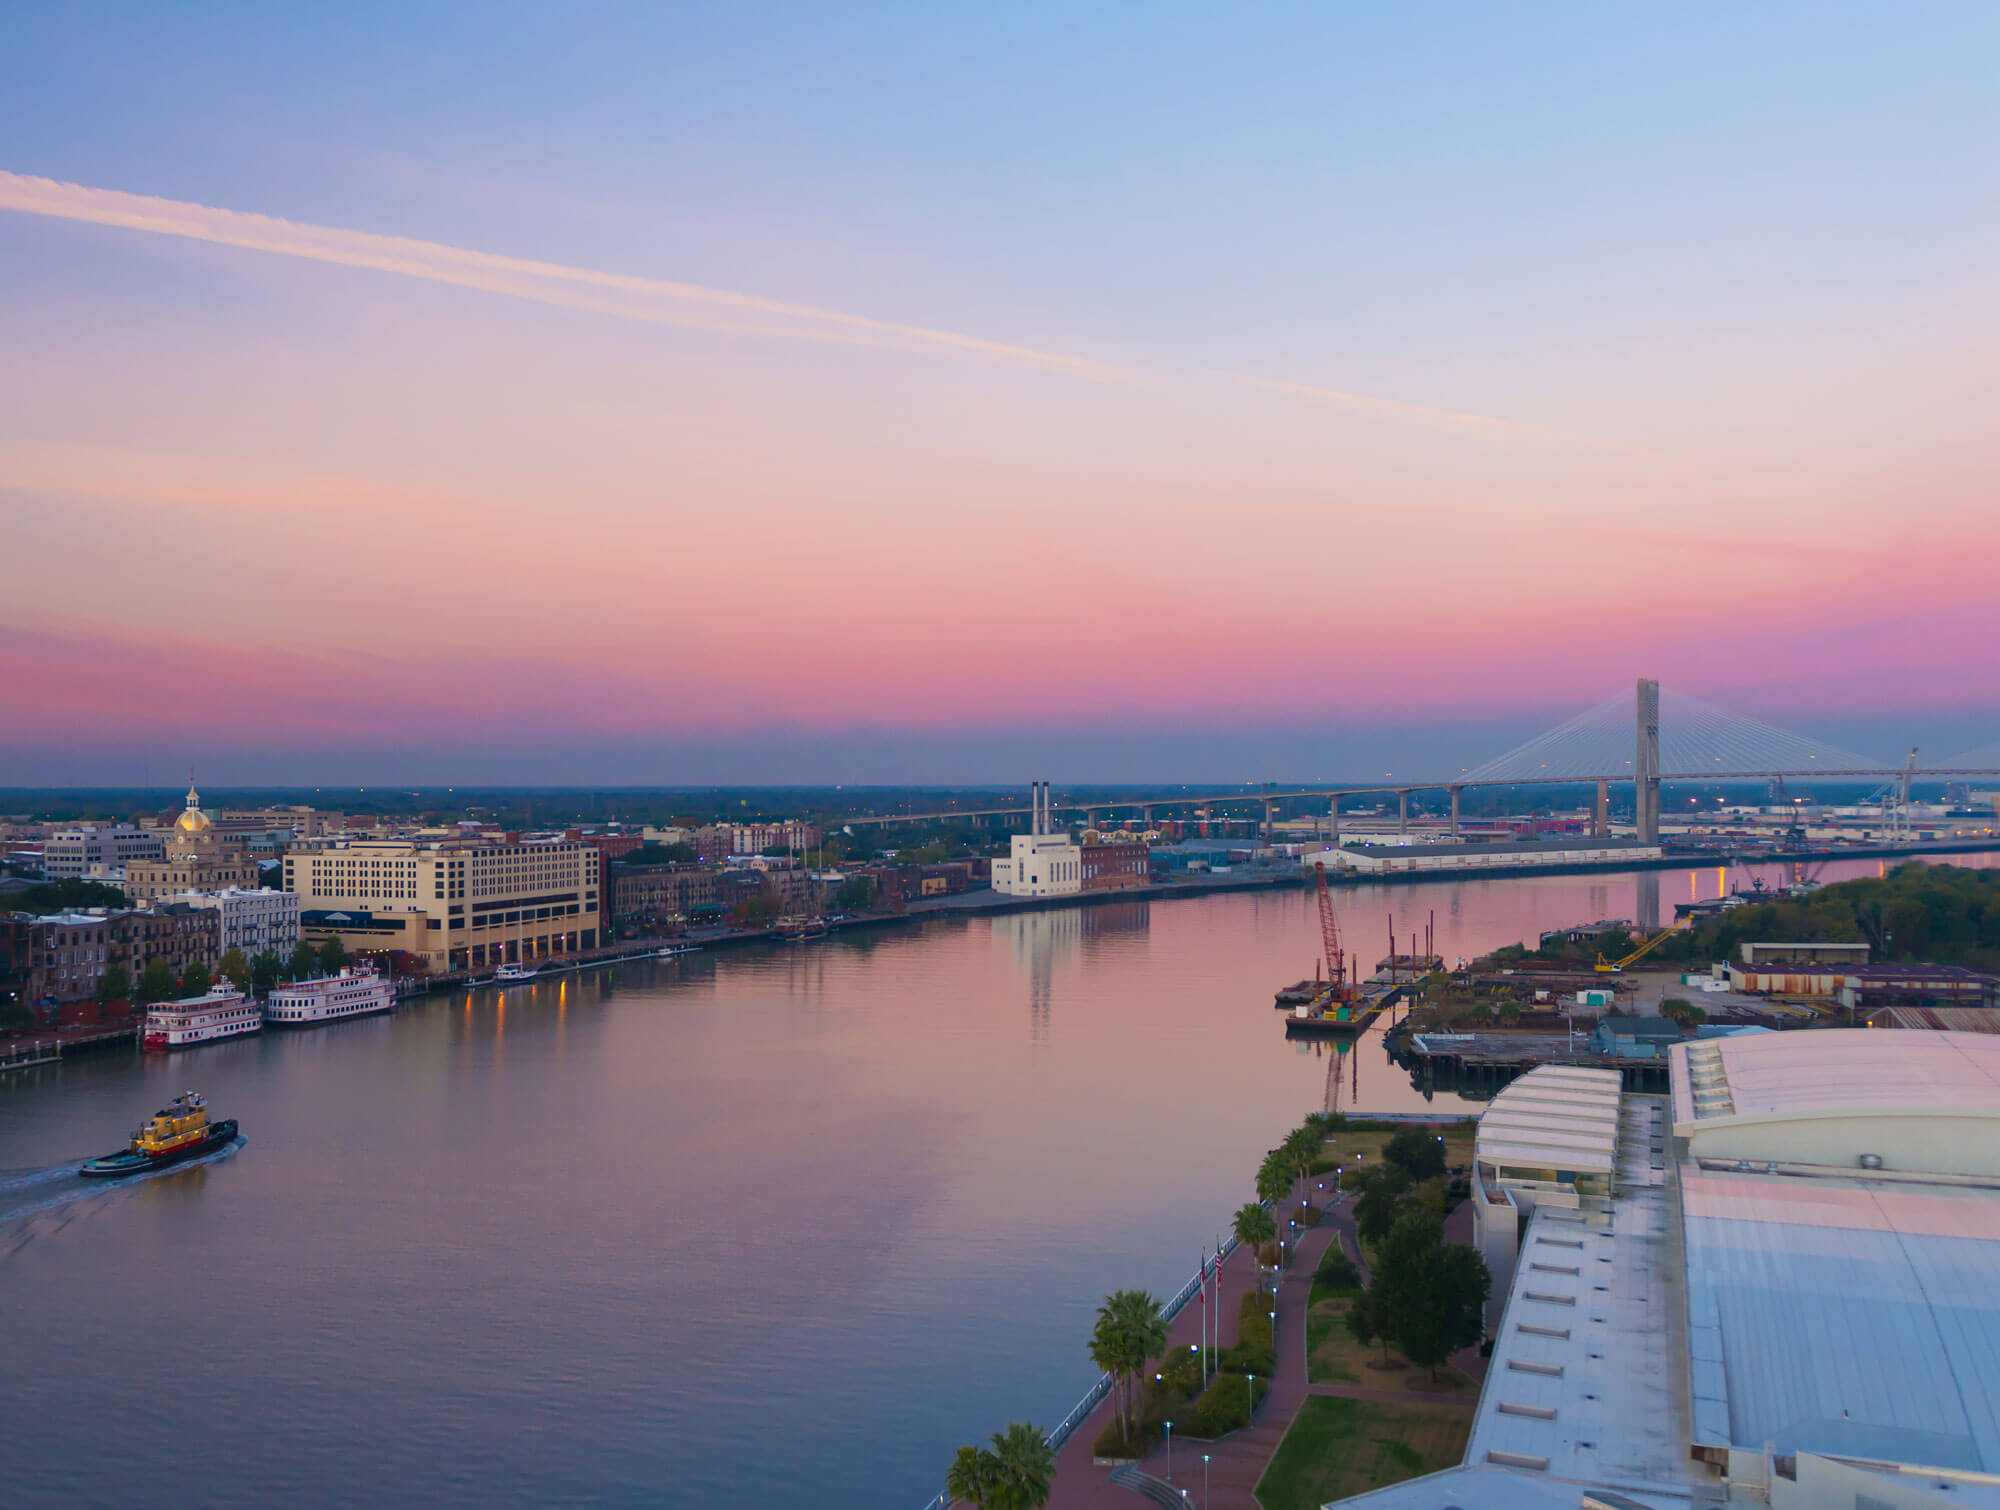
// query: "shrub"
[[1180, 1375], [1336, 1270], [1252, 1352], [1322, 1166], [1113, 1443], [1223, 1407]]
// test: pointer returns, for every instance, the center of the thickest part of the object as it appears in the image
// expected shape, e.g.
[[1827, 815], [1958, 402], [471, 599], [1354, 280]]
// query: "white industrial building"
[[1381, 859], [1779, 1285], [74, 852], [1044, 863], [251, 920]]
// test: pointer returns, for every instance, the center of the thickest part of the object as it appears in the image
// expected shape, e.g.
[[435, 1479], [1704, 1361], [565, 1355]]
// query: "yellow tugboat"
[[180, 1130]]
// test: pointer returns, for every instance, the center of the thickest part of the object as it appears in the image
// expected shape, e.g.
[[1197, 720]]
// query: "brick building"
[[662, 898], [1112, 863]]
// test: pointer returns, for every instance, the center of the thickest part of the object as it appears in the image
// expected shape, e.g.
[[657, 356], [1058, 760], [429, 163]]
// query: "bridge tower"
[[1646, 765]]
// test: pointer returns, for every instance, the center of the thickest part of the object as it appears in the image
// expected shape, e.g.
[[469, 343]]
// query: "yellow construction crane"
[[1612, 967]]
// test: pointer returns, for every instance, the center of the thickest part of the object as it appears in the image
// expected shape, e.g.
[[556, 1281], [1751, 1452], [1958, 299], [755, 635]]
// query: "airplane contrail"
[[594, 291]]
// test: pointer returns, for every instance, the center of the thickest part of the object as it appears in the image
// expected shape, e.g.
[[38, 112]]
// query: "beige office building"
[[460, 904]]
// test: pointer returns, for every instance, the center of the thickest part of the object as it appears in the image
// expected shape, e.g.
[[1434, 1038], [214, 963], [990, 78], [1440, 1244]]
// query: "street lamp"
[[1250, 1386], [1204, 1481], [1170, 1452]]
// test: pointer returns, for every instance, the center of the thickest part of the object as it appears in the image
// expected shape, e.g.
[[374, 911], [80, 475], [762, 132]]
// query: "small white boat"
[[672, 952], [511, 974]]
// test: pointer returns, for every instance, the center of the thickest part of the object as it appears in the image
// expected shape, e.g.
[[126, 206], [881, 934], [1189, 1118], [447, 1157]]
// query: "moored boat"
[[177, 1132], [224, 1012], [351, 993], [513, 974]]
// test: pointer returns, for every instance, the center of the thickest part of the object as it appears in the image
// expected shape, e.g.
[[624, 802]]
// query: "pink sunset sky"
[[587, 459]]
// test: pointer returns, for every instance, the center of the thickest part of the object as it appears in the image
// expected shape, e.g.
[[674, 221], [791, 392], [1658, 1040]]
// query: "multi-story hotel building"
[[458, 903]]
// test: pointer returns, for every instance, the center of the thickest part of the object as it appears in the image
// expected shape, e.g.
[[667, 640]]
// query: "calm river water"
[[759, 1226]]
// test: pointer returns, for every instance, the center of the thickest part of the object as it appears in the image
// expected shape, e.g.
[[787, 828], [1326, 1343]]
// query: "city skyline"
[[920, 398]]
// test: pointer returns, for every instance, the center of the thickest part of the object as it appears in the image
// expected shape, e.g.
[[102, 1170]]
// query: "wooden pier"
[[51, 1047]]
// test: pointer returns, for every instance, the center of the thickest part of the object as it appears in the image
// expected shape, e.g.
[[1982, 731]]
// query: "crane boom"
[[1612, 967], [1329, 931]]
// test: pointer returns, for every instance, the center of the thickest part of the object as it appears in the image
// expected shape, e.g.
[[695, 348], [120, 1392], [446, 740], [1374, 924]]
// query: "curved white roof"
[[1554, 1118]]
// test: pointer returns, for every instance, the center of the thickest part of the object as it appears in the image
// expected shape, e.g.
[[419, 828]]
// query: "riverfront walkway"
[[1238, 1461]]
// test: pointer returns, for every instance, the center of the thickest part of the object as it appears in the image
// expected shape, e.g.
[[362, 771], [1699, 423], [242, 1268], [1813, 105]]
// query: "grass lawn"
[[1340, 1447], [1349, 1143], [1334, 1357]]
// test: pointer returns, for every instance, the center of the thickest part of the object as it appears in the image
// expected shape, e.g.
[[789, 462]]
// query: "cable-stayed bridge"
[[1642, 738]]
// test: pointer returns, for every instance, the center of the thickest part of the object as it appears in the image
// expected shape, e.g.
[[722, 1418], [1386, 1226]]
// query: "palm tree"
[[1129, 1330], [1110, 1350], [1017, 1474], [1301, 1148], [974, 1477], [1027, 1466], [1274, 1177], [1254, 1227]]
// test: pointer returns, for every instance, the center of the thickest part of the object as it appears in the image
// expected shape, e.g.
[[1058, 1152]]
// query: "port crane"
[[1339, 992], [1613, 967]]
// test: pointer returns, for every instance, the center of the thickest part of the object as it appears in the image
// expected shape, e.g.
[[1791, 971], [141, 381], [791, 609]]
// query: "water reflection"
[[781, 1224]]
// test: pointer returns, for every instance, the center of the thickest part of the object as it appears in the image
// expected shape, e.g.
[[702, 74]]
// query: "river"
[[781, 1224]]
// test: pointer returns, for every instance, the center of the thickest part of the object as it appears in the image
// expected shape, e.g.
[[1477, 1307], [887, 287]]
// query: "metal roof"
[[1554, 1118], [1586, 1380], [1844, 1317], [1839, 1073]]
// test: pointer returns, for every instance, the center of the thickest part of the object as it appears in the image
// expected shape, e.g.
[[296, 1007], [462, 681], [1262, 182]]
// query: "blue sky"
[[1728, 271]]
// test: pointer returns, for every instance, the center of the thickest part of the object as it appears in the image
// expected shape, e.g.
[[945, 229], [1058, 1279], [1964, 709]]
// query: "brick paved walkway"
[[1237, 1462]]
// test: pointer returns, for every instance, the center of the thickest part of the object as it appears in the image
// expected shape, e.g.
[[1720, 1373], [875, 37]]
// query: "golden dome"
[[194, 820]]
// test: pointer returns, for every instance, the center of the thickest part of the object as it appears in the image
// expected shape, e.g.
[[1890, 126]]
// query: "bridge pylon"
[[1646, 764]]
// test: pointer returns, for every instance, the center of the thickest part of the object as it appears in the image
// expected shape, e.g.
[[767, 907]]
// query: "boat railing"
[[1092, 1397]]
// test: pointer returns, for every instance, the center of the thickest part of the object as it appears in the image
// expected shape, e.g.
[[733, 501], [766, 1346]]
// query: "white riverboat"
[[351, 993], [510, 975], [224, 1012]]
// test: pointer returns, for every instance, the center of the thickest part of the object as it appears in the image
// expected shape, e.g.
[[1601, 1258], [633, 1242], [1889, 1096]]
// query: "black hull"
[[115, 1166]]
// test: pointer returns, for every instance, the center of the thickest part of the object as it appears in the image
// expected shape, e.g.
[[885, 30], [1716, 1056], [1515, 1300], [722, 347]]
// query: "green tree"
[[974, 1477], [1129, 1330], [855, 893], [236, 968], [332, 954], [1274, 1177], [156, 982], [1418, 1153], [1428, 1294], [1027, 1467], [304, 963], [1681, 1011], [1364, 1320], [1254, 1227], [1384, 1190], [64, 894], [115, 984], [1017, 1473], [266, 970], [196, 979], [1302, 1148]]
